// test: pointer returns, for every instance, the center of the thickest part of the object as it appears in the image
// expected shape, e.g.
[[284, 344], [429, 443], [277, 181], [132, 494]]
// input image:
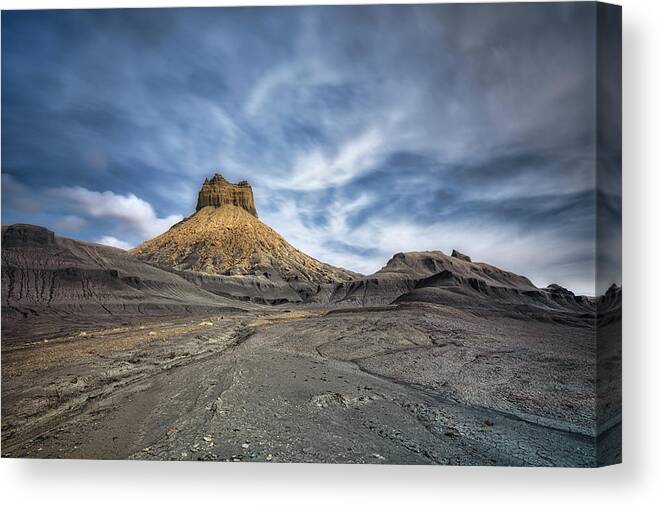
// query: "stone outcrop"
[[554, 288], [26, 235], [219, 192], [458, 255]]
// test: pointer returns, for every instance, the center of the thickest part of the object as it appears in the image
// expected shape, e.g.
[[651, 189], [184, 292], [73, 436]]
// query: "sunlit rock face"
[[224, 237], [218, 192]]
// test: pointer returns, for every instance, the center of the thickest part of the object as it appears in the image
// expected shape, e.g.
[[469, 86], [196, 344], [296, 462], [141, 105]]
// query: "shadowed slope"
[[47, 276], [436, 278]]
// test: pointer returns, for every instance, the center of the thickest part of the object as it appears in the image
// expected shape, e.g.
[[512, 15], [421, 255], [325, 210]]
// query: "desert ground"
[[406, 385]]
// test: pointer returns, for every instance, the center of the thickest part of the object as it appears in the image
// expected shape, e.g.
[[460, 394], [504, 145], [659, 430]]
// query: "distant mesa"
[[218, 192]]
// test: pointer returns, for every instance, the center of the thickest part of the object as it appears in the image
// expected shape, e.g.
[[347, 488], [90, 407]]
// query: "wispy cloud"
[[18, 196], [135, 213], [314, 170], [265, 88], [330, 239], [70, 223], [113, 241]]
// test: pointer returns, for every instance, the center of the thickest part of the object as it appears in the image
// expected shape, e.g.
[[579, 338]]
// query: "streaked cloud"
[[314, 170]]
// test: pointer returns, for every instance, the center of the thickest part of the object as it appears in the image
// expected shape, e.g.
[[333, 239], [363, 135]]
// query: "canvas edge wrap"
[[608, 245]]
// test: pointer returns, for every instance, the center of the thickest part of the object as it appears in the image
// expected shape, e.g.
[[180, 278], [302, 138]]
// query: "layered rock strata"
[[218, 192]]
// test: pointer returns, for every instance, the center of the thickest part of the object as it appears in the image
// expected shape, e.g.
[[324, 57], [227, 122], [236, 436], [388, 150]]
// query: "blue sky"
[[364, 131]]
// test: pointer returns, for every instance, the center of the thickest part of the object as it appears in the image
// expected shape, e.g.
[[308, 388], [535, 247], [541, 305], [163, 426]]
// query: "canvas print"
[[384, 234]]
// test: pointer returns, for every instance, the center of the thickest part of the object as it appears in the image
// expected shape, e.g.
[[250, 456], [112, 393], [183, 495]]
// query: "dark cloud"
[[365, 130]]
